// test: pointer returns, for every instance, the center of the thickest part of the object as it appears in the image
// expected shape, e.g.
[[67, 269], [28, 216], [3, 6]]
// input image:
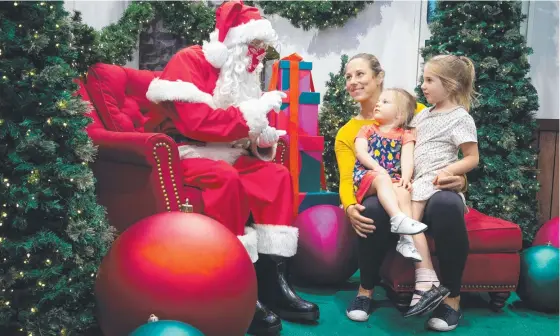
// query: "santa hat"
[[236, 24]]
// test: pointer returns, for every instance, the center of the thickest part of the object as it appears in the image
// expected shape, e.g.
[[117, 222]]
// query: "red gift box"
[[310, 160]]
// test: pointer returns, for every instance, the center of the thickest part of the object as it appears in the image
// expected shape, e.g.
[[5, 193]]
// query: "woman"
[[444, 212]]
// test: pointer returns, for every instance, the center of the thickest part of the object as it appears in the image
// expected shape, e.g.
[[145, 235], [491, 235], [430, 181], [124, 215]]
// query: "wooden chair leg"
[[402, 300], [498, 300]]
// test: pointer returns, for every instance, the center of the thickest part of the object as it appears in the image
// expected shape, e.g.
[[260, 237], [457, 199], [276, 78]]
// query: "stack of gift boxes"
[[301, 150]]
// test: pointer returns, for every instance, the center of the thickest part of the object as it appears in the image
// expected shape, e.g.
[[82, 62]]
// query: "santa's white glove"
[[269, 137], [255, 111], [272, 100]]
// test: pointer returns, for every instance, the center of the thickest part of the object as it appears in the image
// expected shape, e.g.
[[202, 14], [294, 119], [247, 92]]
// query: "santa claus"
[[209, 100]]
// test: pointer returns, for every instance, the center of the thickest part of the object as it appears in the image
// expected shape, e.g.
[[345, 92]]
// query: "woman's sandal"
[[429, 300]]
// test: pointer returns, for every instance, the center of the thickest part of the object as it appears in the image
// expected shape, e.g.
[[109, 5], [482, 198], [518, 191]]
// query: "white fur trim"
[[252, 30], [161, 90], [249, 241], [265, 154], [280, 240], [254, 112], [216, 53], [212, 151]]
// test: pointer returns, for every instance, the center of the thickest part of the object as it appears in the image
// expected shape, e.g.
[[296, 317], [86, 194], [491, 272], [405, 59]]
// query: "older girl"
[[442, 131]]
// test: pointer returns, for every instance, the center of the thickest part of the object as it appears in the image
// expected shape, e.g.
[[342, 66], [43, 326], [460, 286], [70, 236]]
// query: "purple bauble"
[[327, 248]]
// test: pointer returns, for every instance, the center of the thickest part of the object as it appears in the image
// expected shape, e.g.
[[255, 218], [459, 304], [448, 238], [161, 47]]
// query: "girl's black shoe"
[[429, 300], [444, 318]]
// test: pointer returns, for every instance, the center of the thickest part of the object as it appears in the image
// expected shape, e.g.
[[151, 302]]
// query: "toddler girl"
[[384, 165], [441, 131]]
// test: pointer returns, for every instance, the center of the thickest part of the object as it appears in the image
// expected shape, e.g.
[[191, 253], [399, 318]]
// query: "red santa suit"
[[218, 155], [219, 122], [233, 183]]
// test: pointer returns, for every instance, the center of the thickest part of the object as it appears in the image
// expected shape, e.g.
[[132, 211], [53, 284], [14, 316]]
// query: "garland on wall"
[[114, 44], [313, 14], [194, 21]]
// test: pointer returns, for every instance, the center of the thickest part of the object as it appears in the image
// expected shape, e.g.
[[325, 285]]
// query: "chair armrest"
[[139, 171], [131, 147]]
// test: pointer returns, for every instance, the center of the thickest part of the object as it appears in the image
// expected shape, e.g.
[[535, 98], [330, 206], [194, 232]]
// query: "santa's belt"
[[183, 140]]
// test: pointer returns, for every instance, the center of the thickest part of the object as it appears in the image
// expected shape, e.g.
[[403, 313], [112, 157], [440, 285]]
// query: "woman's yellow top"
[[346, 157]]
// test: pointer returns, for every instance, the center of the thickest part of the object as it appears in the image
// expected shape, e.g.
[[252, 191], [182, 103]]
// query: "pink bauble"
[[549, 233], [178, 266], [327, 248]]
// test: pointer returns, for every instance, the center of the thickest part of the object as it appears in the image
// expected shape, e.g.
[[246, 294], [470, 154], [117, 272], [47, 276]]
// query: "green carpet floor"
[[477, 320]]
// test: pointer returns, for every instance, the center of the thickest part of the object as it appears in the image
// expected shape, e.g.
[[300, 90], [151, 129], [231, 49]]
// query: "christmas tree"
[[338, 107], [504, 184], [115, 43], [53, 234]]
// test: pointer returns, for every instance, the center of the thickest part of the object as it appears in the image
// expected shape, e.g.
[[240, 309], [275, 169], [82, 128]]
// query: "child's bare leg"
[[383, 186], [418, 209], [420, 239], [404, 198], [425, 274]]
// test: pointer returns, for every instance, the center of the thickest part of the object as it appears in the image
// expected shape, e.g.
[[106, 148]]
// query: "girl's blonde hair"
[[373, 62], [457, 76], [406, 105]]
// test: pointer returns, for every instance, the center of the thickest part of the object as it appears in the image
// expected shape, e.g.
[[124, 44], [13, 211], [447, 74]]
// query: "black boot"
[[276, 293], [264, 322]]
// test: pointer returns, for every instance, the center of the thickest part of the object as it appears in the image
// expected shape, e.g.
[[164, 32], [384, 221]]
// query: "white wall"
[[542, 36], [387, 29], [100, 14]]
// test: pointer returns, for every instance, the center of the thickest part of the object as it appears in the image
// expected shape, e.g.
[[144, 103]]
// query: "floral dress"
[[385, 148]]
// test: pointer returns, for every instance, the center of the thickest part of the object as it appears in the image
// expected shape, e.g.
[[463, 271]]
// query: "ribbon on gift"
[[293, 98], [275, 72]]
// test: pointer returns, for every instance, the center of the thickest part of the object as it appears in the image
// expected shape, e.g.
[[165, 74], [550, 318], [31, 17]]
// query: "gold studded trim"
[[172, 175], [477, 287], [283, 145]]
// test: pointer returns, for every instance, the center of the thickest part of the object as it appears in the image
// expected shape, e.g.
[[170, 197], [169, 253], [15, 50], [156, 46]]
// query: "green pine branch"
[[338, 107], [53, 233]]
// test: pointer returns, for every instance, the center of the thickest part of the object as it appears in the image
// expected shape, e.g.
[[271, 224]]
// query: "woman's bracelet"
[[464, 176], [466, 187]]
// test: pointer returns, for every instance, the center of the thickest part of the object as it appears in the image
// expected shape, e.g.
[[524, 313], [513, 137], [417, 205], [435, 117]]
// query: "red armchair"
[[138, 174], [492, 265]]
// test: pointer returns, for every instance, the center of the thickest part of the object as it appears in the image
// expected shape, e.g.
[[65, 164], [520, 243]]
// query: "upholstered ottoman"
[[492, 265]]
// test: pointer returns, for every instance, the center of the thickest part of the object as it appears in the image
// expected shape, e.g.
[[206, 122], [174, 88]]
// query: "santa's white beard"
[[235, 84]]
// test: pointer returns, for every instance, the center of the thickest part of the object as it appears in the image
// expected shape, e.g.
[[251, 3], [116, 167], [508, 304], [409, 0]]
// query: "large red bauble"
[[549, 233], [178, 266]]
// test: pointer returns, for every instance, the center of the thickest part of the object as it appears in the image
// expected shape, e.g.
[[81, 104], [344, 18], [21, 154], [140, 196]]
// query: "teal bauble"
[[166, 328], [538, 278]]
